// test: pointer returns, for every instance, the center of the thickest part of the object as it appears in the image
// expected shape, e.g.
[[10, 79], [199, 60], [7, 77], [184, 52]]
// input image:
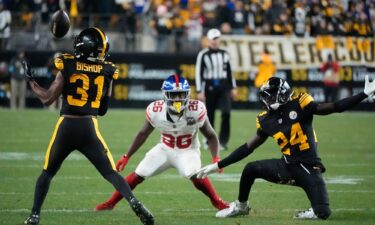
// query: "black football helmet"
[[274, 92], [91, 44]]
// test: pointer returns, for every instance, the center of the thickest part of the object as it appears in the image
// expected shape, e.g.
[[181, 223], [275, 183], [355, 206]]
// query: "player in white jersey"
[[178, 118]]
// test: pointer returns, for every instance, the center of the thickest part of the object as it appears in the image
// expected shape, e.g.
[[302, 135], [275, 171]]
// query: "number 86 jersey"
[[177, 132]]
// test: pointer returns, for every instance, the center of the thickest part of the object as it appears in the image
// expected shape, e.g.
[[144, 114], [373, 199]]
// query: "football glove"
[[29, 73], [121, 163], [215, 160], [369, 87], [205, 171]]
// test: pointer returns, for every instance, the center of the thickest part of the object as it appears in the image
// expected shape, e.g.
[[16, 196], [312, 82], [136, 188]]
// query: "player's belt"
[[78, 116]]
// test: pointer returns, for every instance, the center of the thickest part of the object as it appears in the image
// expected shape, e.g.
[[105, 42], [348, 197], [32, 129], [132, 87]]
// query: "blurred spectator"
[[194, 31], [238, 18], [209, 13], [17, 81], [300, 20], [282, 26], [256, 19], [161, 26], [223, 13], [331, 78], [266, 69], [5, 21]]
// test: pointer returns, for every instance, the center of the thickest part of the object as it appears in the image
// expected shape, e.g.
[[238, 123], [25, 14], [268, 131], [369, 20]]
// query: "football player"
[[179, 119], [288, 119], [85, 82]]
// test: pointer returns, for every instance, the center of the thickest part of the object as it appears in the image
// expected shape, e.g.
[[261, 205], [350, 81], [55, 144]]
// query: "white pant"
[[159, 158]]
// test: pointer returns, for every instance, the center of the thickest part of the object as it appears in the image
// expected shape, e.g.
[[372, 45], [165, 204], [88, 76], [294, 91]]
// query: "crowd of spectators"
[[191, 18]]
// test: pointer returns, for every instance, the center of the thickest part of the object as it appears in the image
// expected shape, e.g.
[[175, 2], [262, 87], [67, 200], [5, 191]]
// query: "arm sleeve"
[[338, 106], [241, 152]]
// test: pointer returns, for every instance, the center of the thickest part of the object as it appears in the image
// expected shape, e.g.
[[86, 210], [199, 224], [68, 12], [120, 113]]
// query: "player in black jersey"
[[288, 120], [85, 82]]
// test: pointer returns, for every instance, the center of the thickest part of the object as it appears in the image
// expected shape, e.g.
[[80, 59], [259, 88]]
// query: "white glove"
[[203, 172], [369, 86]]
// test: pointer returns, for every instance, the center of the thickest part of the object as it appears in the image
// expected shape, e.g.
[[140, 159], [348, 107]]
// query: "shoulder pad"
[[197, 109], [60, 59], [304, 99], [115, 70]]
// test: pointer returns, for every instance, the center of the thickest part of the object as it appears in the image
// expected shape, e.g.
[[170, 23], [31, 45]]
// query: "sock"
[[205, 186], [133, 180]]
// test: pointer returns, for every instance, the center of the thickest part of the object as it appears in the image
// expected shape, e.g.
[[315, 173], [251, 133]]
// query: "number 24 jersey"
[[291, 127]]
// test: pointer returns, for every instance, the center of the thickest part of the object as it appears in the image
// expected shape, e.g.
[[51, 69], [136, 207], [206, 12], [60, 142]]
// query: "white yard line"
[[173, 210]]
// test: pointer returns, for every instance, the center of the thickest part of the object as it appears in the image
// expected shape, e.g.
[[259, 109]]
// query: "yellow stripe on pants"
[[109, 155], [46, 159]]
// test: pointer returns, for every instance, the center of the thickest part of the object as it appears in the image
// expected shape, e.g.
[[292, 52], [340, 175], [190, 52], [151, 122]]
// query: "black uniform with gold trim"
[[291, 127], [86, 83]]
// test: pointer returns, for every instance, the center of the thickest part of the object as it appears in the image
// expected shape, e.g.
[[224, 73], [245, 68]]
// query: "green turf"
[[345, 143]]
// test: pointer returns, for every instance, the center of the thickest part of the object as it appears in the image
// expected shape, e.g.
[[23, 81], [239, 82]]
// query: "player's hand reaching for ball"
[[121, 163]]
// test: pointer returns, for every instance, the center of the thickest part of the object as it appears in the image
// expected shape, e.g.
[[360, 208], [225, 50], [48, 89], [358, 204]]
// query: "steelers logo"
[[293, 115]]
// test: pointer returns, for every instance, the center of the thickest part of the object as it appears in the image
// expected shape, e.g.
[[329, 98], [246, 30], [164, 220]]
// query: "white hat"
[[213, 33]]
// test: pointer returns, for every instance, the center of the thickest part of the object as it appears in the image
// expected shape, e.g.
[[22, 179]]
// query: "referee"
[[214, 83]]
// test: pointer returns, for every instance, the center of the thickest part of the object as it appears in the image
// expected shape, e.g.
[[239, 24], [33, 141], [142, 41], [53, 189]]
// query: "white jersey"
[[177, 132]]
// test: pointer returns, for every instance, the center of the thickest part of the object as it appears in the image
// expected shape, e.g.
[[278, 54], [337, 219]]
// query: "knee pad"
[[322, 211]]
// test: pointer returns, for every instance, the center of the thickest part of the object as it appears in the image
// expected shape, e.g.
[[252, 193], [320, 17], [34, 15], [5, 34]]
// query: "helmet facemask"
[[176, 100], [274, 93]]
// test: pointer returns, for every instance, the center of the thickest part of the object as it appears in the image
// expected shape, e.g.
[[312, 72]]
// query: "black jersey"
[[291, 127], [85, 84]]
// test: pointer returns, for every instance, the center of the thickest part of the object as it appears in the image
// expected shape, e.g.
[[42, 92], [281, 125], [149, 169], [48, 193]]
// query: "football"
[[60, 23]]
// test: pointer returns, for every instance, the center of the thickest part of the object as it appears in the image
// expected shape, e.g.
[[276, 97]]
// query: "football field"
[[346, 146]]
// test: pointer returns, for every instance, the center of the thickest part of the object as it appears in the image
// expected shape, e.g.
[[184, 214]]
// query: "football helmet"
[[91, 44], [274, 92], [176, 91]]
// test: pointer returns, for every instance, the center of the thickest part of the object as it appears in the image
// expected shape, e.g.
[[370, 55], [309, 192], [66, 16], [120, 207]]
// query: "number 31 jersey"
[[291, 127], [177, 132], [85, 84]]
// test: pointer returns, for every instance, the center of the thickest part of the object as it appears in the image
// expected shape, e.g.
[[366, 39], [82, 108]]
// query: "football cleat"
[[33, 219], [142, 212], [306, 214], [104, 206], [235, 208], [220, 204]]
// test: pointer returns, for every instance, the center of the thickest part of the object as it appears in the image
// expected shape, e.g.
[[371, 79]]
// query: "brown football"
[[60, 23]]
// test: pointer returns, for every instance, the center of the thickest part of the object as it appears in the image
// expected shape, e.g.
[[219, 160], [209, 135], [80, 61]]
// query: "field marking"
[[178, 193], [168, 210]]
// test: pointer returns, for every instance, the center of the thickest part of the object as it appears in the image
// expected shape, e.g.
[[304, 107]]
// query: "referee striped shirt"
[[213, 65]]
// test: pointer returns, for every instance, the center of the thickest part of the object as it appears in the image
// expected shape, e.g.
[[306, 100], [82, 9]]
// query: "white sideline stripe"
[[229, 177], [171, 210], [177, 193], [76, 156]]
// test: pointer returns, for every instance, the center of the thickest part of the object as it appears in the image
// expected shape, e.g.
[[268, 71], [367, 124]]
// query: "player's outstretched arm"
[[346, 103], [237, 155], [138, 141], [46, 96], [212, 140]]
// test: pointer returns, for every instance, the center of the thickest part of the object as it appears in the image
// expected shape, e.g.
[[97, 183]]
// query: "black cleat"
[[142, 212], [33, 219]]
